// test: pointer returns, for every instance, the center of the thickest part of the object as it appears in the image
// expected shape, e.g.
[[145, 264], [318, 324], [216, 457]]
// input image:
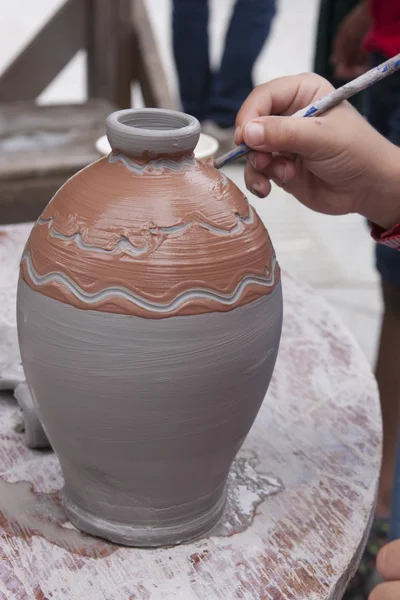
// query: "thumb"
[[388, 562], [286, 134]]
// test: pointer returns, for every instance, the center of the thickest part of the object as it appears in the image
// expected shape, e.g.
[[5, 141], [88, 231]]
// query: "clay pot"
[[149, 318]]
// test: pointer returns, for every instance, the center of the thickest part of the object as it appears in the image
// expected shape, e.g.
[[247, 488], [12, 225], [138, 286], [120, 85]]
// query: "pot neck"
[[149, 133]]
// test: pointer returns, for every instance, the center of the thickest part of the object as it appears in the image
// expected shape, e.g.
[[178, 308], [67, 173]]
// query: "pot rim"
[[141, 131]]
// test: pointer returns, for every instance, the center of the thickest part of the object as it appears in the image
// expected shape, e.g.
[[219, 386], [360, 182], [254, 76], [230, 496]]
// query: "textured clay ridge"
[[152, 240]]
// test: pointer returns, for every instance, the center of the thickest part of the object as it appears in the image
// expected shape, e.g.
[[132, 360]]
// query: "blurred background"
[[333, 255]]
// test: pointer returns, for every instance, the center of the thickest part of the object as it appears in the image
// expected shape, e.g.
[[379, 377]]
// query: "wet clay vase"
[[149, 318]]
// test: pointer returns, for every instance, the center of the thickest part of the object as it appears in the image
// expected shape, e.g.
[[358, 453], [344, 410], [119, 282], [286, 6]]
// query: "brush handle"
[[330, 101]]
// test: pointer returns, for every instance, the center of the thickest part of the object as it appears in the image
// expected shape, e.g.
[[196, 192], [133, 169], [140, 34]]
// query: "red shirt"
[[384, 36]]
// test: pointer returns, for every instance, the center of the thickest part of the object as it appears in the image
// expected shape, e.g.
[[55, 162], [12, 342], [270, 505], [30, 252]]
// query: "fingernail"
[[254, 134], [256, 190], [280, 172], [252, 158]]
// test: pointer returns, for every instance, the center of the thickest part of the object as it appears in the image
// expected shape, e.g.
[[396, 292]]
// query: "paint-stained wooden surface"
[[301, 495]]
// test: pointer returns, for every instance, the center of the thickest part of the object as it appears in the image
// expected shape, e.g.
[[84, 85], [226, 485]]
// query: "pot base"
[[150, 536]]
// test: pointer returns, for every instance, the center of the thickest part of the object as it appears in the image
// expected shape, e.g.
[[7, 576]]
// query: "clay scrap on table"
[[35, 436]]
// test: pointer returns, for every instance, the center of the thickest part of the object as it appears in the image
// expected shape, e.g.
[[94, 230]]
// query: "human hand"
[[334, 163], [388, 565], [348, 56]]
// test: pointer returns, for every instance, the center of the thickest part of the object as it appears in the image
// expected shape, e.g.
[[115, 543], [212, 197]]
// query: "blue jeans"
[[218, 96], [383, 113]]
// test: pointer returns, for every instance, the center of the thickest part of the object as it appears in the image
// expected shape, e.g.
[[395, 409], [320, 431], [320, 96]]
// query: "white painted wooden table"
[[302, 490]]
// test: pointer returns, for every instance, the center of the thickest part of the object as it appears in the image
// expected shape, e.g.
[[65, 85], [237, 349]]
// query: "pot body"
[[149, 320], [146, 415]]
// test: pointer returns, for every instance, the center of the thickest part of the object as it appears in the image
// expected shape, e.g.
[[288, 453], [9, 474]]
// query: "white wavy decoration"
[[158, 165], [157, 307], [125, 245], [248, 220]]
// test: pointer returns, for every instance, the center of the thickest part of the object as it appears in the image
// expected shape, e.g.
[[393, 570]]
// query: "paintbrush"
[[330, 101]]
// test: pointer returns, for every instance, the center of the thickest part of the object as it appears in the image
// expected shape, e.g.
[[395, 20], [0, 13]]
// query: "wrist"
[[382, 203]]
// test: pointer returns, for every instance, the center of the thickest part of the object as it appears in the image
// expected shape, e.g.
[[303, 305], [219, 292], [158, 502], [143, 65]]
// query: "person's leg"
[[385, 116], [191, 53], [381, 108], [395, 513], [388, 364], [383, 113], [388, 372], [248, 30]]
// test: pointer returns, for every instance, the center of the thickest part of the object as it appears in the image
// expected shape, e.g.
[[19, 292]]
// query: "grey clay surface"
[[146, 415]]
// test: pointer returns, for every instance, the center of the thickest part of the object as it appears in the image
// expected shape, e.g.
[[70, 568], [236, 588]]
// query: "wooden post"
[[46, 55], [110, 51], [148, 65], [120, 46]]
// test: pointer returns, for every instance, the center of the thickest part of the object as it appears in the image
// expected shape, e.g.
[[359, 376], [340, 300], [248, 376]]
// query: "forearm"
[[360, 16], [363, 17], [365, 8]]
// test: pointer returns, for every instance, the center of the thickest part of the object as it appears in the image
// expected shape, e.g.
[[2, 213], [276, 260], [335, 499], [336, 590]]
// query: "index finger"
[[283, 96]]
